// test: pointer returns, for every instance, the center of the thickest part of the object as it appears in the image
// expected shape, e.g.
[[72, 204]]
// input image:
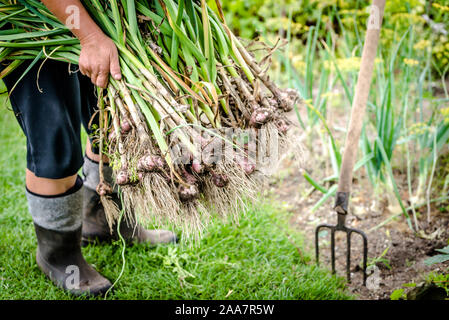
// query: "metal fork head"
[[340, 226]]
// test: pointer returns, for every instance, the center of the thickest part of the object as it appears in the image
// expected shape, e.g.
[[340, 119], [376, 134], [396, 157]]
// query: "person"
[[51, 103]]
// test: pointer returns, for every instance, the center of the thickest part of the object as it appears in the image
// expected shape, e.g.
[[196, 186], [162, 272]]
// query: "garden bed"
[[394, 249]]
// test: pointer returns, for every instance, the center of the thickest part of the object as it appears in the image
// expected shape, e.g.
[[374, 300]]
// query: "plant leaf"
[[439, 258]]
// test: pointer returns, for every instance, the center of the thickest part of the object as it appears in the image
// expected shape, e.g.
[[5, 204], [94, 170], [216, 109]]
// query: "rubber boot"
[[57, 223], [95, 226], [59, 257]]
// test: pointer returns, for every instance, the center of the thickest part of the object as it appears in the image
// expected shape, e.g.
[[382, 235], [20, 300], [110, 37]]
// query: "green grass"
[[255, 260]]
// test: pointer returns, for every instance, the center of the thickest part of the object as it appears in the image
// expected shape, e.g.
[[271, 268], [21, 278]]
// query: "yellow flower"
[[378, 60], [440, 7], [325, 3], [408, 18], [419, 128], [349, 21], [277, 22], [395, 6], [344, 65], [422, 44], [298, 63], [411, 62], [445, 113]]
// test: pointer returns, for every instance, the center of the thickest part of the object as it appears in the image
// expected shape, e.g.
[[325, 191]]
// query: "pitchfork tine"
[[365, 252], [333, 249], [348, 256], [342, 227], [317, 245]]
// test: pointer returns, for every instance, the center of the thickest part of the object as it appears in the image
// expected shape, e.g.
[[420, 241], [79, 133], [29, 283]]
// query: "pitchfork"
[[351, 144]]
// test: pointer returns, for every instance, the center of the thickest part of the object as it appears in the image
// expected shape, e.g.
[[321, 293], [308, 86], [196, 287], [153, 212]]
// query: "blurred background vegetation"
[[252, 18], [404, 140]]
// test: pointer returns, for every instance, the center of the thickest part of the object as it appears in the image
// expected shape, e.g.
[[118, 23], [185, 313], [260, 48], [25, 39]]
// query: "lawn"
[[262, 258]]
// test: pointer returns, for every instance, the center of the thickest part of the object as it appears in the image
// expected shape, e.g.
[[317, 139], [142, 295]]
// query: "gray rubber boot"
[[57, 222], [95, 226]]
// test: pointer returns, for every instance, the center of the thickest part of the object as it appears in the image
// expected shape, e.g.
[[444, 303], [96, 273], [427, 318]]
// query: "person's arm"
[[99, 56]]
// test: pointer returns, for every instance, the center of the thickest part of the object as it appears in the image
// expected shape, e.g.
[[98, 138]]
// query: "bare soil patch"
[[400, 253]]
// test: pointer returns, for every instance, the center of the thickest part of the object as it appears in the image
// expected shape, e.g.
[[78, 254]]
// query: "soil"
[[395, 253]]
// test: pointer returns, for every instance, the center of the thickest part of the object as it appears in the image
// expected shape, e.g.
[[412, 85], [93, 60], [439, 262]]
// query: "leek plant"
[[396, 107]]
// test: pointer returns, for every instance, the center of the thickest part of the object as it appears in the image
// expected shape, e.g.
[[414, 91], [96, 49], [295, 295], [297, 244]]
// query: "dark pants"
[[50, 106]]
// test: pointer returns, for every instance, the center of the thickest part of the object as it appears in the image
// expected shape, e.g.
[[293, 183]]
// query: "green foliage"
[[441, 280], [256, 17], [380, 259], [424, 290], [398, 294], [439, 258], [409, 285]]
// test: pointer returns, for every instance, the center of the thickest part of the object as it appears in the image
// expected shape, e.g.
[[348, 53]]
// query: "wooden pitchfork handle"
[[358, 108]]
